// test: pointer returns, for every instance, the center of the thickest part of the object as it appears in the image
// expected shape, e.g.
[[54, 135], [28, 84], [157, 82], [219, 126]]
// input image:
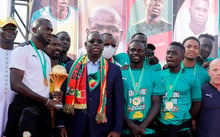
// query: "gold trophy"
[[58, 75]]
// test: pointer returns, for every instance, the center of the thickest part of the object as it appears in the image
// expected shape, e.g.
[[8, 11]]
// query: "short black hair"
[[97, 32], [151, 46], [62, 32], [189, 38], [52, 36], [108, 34], [178, 44], [38, 22], [139, 33], [136, 41], [207, 36]]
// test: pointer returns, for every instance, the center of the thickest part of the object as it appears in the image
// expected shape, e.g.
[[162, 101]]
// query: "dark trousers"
[[28, 117], [151, 126], [186, 133], [150, 135], [174, 130]]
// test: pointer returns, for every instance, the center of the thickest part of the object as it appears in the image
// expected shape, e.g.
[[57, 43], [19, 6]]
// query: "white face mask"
[[108, 51]]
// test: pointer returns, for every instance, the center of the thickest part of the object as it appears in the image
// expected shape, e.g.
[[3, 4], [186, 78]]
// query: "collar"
[[213, 86], [90, 62]]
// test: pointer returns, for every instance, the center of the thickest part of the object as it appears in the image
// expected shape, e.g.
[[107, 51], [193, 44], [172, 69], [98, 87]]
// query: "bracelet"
[[48, 100]]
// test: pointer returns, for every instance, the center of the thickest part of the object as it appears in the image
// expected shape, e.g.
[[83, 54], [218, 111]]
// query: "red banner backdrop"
[[124, 18]]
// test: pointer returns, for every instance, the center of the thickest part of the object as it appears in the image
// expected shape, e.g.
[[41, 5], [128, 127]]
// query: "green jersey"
[[209, 59], [122, 59], [186, 90], [139, 86], [199, 72], [155, 67]]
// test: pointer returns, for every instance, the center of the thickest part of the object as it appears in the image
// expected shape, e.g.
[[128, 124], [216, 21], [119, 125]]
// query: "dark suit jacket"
[[83, 123]]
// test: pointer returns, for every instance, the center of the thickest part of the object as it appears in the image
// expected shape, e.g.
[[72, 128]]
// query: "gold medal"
[[169, 105], [45, 82], [136, 101]]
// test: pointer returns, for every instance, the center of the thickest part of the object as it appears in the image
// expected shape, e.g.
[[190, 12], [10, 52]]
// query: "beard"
[[154, 16], [191, 59], [55, 57]]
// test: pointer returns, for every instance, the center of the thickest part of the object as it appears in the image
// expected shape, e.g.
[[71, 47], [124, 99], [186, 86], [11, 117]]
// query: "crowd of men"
[[107, 95]]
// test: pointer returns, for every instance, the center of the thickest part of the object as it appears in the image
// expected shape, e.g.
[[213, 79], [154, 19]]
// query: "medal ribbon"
[[170, 91], [43, 65], [136, 88], [194, 72]]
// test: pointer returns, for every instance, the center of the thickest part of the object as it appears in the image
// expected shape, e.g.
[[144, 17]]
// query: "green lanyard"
[[171, 89], [43, 65], [194, 73], [136, 88]]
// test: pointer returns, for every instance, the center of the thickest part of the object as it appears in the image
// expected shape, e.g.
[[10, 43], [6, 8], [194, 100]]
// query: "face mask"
[[108, 51]]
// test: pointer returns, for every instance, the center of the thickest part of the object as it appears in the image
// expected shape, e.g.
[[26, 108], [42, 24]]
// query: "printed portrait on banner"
[[195, 17], [154, 19], [63, 16], [104, 16]]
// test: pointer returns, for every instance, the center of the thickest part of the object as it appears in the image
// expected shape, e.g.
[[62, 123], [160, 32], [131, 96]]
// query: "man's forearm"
[[195, 109], [155, 108]]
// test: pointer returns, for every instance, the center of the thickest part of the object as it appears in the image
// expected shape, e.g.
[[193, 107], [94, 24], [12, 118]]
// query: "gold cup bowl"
[[58, 75]]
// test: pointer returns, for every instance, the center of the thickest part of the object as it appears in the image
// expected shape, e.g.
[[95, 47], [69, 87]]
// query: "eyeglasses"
[[92, 41]]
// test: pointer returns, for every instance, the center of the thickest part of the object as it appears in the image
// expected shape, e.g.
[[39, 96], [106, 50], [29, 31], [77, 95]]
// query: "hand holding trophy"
[[58, 75]]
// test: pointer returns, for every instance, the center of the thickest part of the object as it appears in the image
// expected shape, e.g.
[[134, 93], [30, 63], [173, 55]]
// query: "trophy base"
[[60, 106]]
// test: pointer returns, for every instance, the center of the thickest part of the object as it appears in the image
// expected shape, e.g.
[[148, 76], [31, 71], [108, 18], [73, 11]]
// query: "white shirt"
[[6, 94], [26, 59], [92, 67]]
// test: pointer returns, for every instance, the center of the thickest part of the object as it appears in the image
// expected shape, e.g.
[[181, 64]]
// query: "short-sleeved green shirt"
[[199, 72], [186, 91], [210, 59], [155, 67], [138, 103], [122, 58]]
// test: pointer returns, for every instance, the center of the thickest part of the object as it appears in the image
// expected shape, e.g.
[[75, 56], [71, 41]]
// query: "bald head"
[[106, 19], [214, 73], [104, 13], [214, 63], [38, 22]]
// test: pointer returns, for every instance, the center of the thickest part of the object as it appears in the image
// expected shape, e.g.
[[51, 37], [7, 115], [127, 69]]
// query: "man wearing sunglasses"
[[94, 98]]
